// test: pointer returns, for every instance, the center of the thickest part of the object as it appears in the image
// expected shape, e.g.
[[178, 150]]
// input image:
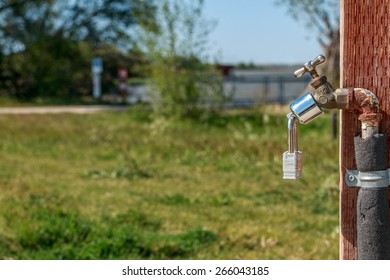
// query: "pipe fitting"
[[342, 98], [366, 104], [324, 93]]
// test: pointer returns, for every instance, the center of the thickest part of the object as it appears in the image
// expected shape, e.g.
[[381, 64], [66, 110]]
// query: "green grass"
[[125, 186]]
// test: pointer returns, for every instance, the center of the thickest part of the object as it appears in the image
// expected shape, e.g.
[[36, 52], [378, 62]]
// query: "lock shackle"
[[292, 126]]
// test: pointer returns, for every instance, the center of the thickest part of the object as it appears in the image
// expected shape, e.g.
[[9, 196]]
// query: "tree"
[[324, 17], [46, 45], [177, 55], [23, 22]]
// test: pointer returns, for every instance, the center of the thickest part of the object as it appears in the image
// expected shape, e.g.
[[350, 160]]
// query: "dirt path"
[[61, 109]]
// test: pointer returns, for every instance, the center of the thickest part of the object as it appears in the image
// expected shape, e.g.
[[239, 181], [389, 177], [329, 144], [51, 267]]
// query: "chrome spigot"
[[303, 110], [307, 108], [324, 93]]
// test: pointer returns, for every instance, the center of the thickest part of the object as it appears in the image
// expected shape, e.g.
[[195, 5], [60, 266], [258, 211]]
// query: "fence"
[[247, 88], [254, 89]]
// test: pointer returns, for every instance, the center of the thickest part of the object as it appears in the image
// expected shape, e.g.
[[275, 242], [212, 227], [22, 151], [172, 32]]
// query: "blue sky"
[[259, 31]]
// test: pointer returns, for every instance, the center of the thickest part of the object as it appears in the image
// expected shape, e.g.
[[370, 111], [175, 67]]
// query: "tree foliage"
[[46, 45], [324, 17], [178, 54]]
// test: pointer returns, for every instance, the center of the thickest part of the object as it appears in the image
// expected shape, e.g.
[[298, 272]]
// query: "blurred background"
[[190, 166]]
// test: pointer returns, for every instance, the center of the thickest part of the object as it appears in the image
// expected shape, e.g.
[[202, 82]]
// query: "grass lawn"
[[125, 186]]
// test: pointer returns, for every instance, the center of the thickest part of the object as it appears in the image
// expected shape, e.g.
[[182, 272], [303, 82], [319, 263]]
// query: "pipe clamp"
[[368, 179]]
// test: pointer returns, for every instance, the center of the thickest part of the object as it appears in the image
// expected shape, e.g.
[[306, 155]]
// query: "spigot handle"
[[310, 67]]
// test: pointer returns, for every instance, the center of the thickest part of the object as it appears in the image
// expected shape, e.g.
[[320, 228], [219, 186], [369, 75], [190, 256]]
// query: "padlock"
[[292, 165], [292, 159]]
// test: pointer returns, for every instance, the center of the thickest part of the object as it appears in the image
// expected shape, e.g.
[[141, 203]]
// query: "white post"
[[97, 69]]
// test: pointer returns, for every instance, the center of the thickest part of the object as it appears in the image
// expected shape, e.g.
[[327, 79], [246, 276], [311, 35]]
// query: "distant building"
[[225, 69]]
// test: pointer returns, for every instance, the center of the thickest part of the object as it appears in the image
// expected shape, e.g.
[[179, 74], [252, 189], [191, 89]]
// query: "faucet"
[[309, 106]]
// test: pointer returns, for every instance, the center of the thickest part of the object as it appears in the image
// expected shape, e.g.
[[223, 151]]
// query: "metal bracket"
[[369, 179]]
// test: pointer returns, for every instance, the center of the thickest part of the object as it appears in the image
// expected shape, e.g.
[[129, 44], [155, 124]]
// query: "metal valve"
[[292, 159], [310, 67]]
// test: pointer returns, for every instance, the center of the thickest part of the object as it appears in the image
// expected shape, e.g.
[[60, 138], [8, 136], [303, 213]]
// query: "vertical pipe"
[[373, 230], [373, 224]]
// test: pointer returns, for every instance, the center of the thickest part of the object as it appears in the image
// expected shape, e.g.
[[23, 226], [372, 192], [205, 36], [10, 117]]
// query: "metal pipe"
[[373, 229], [366, 104]]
